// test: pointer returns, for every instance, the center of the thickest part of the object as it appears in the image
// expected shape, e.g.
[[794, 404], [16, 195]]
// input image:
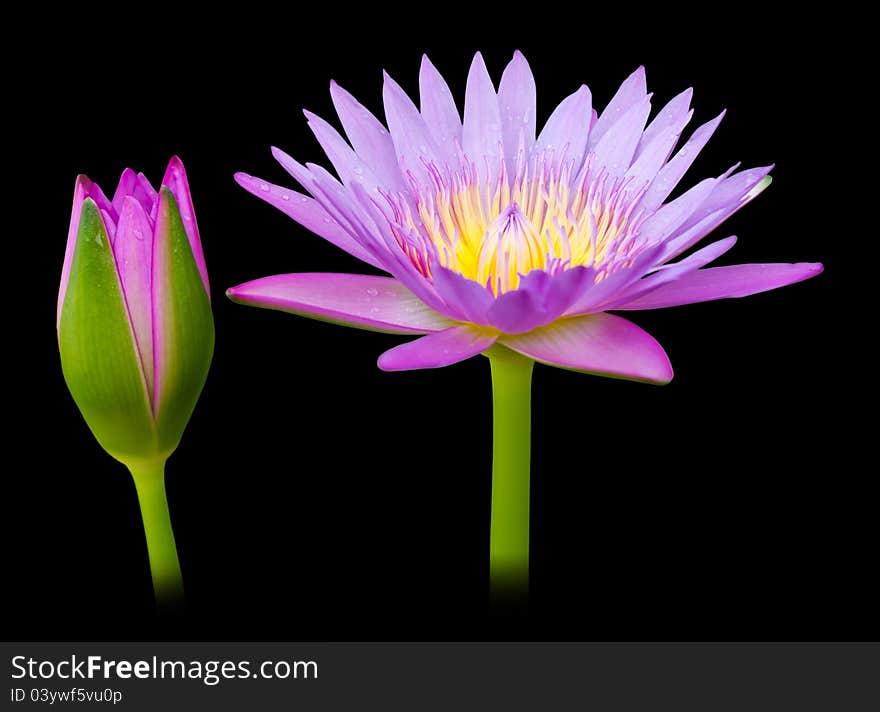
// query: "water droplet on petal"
[[138, 235], [358, 170], [264, 187], [374, 310], [326, 220], [304, 199], [372, 291], [285, 196]]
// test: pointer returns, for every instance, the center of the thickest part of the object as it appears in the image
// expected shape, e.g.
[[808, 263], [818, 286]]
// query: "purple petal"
[[80, 190], [596, 295], [466, 299], [308, 213], [672, 118], [517, 106], [696, 228], [363, 301], [540, 299], [671, 272], [133, 250], [413, 142], [126, 186], [481, 134], [441, 349], [601, 344], [672, 172], [724, 283], [438, 110], [614, 151], [146, 195], [732, 191], [633, 90], [175, 180], [369, 138], [349, 167], [568, 127], [673, 215]]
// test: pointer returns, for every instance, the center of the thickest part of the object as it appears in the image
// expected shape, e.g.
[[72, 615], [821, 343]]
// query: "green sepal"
[[183, 327], [98, 354]]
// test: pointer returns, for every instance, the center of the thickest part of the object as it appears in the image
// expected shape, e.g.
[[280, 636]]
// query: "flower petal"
[[633, 89], [349, 166], [517, 98], [441, 349], [671, 272], [615, 149], [700, 224], [369, 138], [80, 191], [308, 213], [602, 344], [133, 251], [568, 128], [363, 301], [467, 300], [539, 299], [724, 283], [438, 110], [481, 134], [413, 142], [672, 117], [175, 180], [668, 176]]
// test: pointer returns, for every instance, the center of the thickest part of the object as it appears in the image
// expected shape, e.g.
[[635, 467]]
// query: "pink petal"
[[602, 344], [441, 349], [517, 99], [308, 213], [81, 189], [363, 301], [175, 180], [438, 110], [725, 282], [133, 250]]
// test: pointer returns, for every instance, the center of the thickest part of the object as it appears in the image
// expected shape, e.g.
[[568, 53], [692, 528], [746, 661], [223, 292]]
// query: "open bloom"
[[134, 321], [494, 232]]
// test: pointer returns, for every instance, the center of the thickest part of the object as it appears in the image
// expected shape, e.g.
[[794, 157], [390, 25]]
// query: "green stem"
[[149, 480], [511, 447]]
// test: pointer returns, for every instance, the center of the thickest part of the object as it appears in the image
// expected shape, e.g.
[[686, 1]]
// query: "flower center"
[[543, 218]]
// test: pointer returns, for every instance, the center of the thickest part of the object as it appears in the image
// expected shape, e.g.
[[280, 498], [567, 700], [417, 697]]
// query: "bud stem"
[[149, 480]]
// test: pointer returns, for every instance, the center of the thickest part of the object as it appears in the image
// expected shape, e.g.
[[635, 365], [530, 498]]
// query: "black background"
[[316, 497]]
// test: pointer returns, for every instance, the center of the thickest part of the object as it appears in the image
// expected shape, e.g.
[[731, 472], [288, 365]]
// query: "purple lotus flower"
[[136, 333], [513, 243], [493, 235]]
